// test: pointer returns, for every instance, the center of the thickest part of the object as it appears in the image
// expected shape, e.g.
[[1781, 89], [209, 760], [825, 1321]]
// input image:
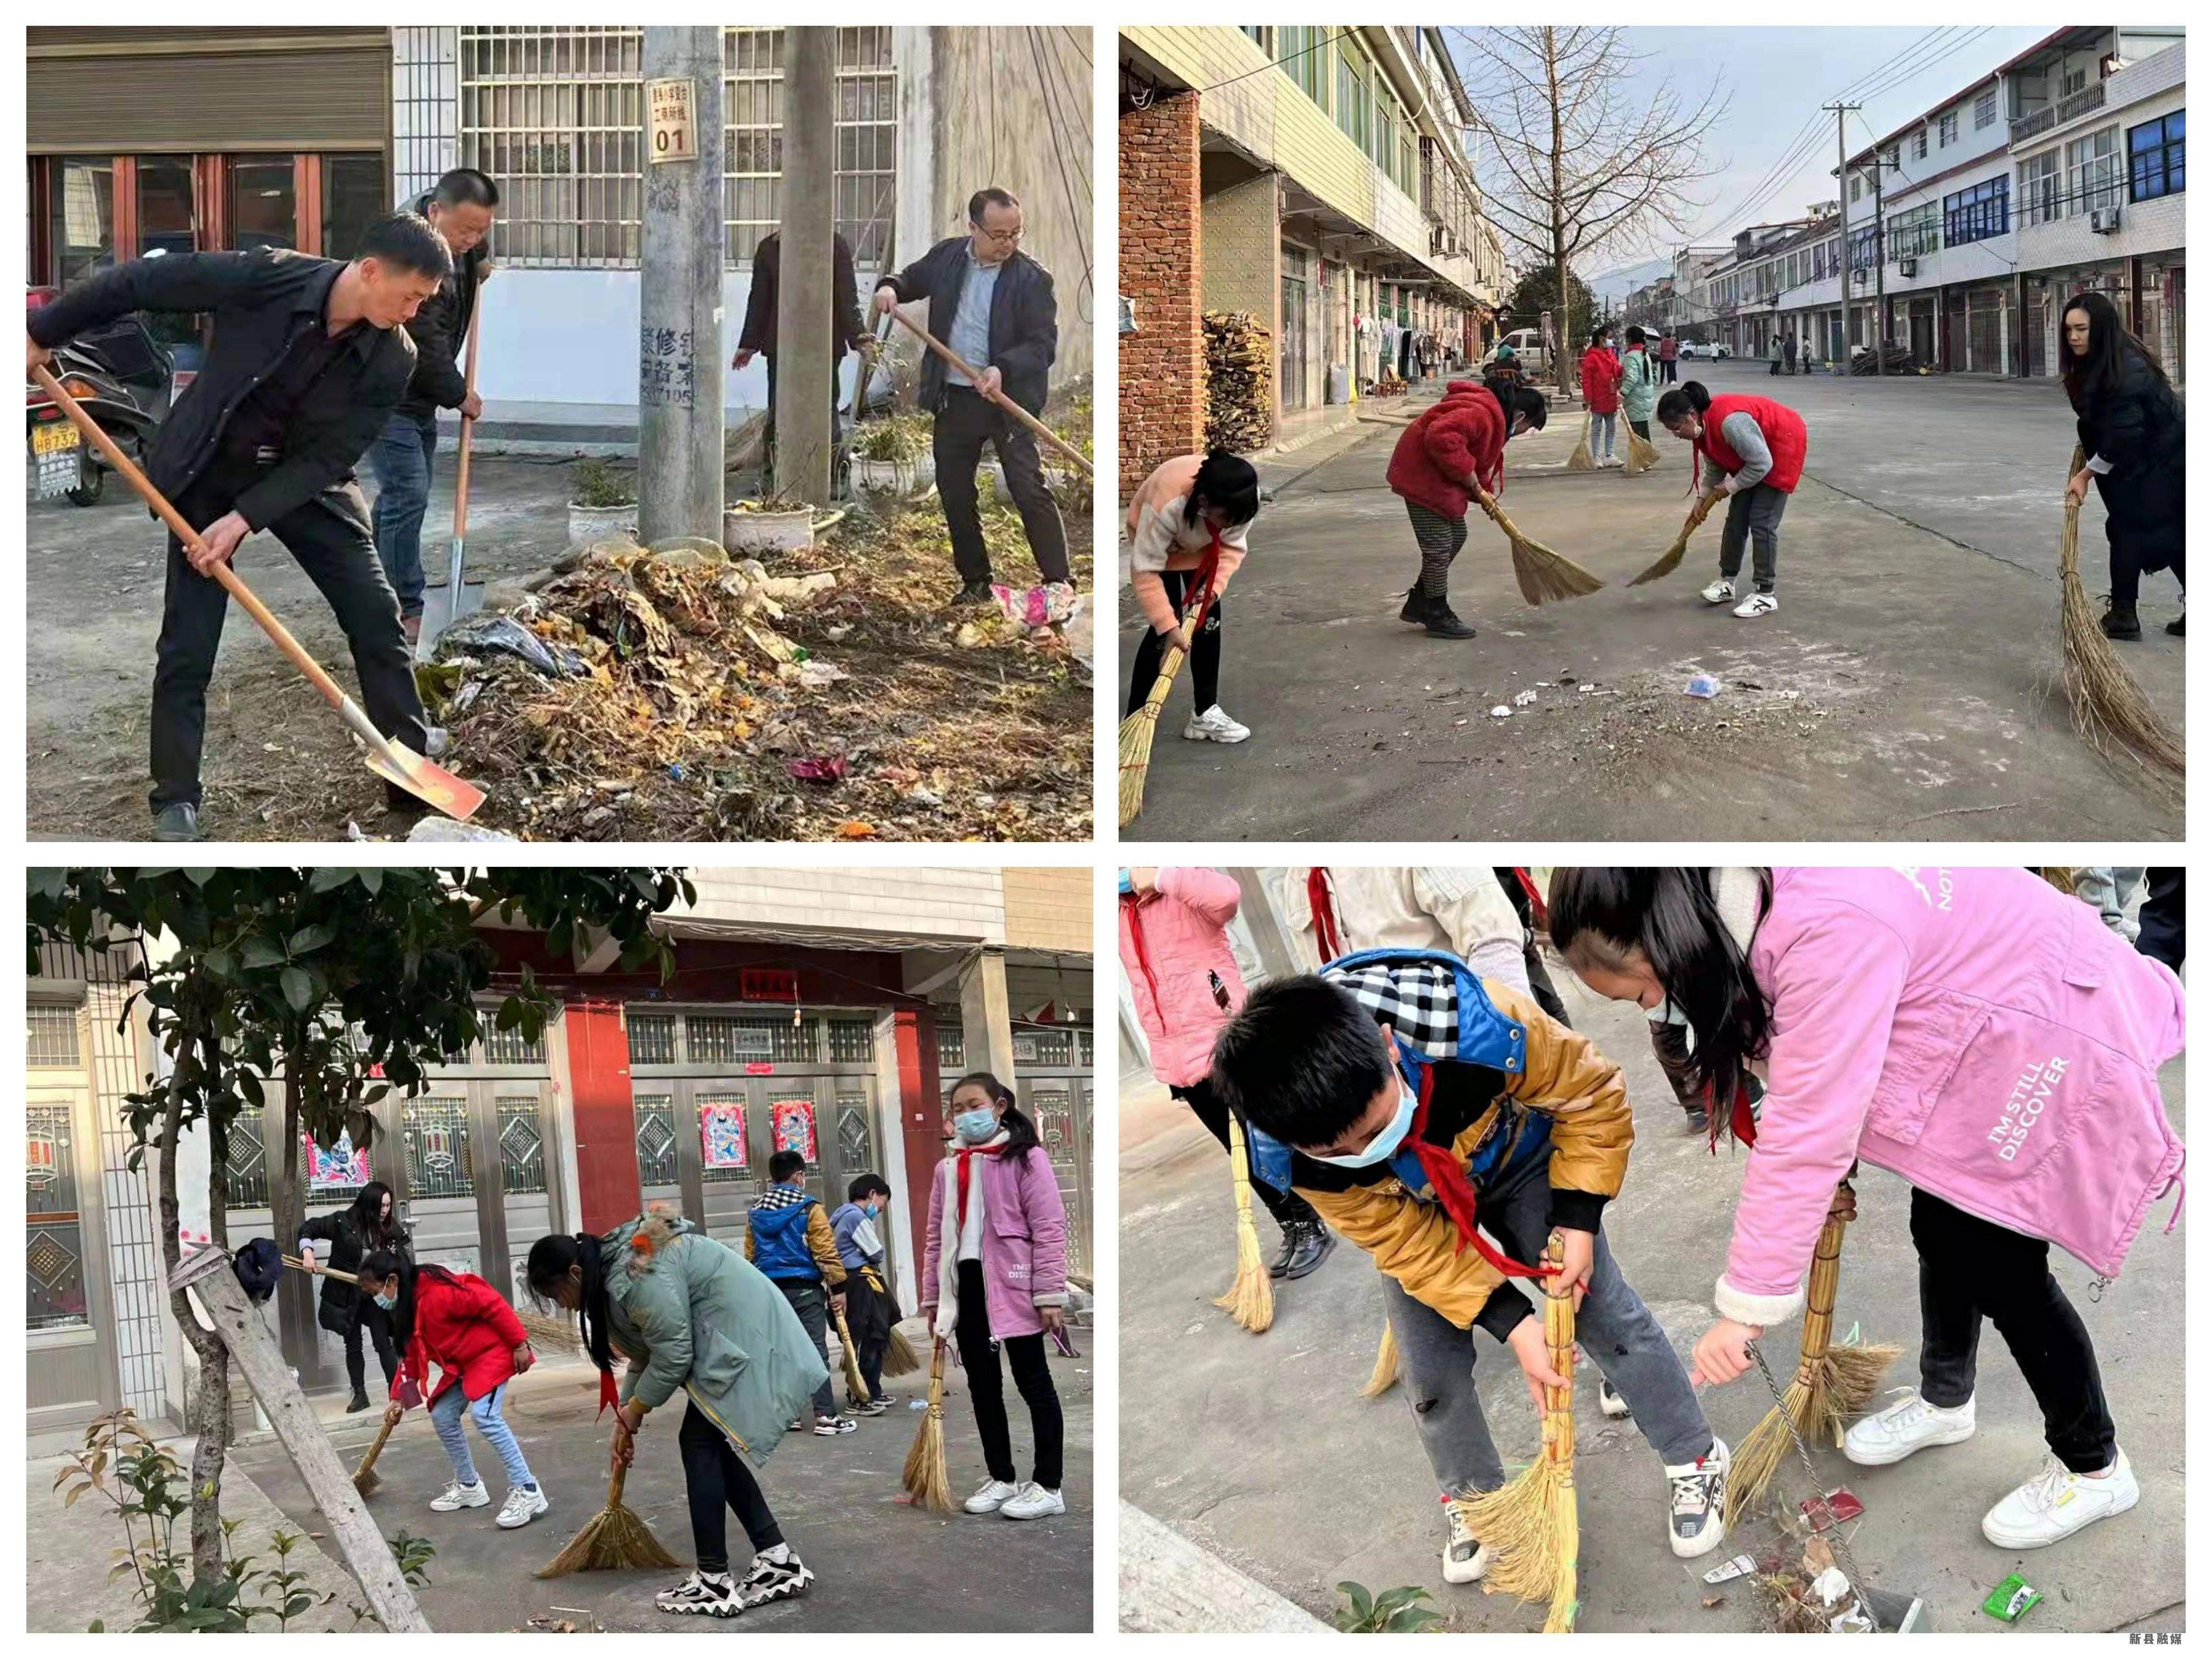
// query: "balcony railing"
[[2074, 106], [2026, 126]]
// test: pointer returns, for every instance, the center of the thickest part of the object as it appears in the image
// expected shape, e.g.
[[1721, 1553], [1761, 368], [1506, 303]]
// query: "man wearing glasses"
[[994, 306]]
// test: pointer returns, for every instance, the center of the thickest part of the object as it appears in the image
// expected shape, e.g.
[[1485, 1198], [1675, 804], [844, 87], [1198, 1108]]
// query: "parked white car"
[[1701, 349], [1527, 345]]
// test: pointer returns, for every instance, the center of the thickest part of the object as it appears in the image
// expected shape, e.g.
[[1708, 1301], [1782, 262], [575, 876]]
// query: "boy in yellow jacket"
[[1448, 1125]]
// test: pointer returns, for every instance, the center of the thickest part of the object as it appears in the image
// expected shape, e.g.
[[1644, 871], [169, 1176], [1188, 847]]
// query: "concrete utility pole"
[[1842, 232], [679, 360], [805, 447], [1881, 271]]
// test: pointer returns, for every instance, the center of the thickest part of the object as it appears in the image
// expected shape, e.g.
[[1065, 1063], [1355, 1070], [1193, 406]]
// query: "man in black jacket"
[[757, 337], [460, 208], [993, 304], [309, 359]]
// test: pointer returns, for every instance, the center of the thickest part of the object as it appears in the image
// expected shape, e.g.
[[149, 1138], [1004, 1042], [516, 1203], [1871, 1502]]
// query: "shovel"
[[391, 761], [1074, 455], [444, 607]]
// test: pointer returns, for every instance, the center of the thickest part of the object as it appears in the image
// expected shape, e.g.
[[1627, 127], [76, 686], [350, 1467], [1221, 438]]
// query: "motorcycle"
[[124, 378]]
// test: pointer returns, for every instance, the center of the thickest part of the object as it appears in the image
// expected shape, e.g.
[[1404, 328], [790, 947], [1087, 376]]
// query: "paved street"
[[1261, 1450], [1908, 688]]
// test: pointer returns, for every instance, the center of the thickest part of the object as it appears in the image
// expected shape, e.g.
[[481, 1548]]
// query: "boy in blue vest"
[[788, 1238]]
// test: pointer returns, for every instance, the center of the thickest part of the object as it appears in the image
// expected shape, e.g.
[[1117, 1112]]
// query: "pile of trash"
[[673, 693]]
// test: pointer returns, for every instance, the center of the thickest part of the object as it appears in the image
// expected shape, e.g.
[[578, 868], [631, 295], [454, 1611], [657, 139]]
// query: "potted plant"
[[1070, 485], [891, 454], [601, 502], [776, 523]]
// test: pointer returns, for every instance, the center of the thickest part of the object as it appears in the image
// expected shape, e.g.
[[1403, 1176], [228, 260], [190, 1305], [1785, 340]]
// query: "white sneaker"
[[1609, 461], [1719, 592], [1757, 605], [458, 1496], [1608, 1399], [1031, 1502], [2058, 1502], [1466, 1557], [990, 1497], [1697, 1501], [522, 1502], [1899, 1429], [1214, 726]]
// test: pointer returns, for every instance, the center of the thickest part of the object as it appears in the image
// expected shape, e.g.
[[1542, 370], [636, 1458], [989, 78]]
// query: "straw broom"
[[1251, 1299], [1530, 1522], [899, 1357], [1138, 730], [1580, 461], [856, 1387], [1673, 555], [1642, 456], [1385, 1374], [614, 1539], [366, 1480], [1542, 574], [2109, 707], [1832, 1384], [928, 1486]]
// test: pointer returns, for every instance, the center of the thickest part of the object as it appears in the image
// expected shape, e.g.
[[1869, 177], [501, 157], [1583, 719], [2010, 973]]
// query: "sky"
[[1774, 80]]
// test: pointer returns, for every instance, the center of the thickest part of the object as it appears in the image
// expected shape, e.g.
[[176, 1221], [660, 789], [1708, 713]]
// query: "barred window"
[[853, 1039], [652, 1038], [52, 1035], [717, 1040], [555, 116], [511, 1048], [952, 1047]]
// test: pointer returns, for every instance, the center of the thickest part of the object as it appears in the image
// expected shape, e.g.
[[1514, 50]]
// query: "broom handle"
[[338, 1273], [1172, 664], [614, 1484], [376, 1449], [999, 398]]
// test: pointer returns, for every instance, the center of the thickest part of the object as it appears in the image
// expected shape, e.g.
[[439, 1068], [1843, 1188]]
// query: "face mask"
[[1125, 886], [1666, 1014], [387, 1303], [1385, 1143], [978, 1126]]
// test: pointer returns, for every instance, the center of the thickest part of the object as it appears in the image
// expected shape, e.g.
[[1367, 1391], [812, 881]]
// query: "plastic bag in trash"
[[1702, 685], [1035, 607], [492, 632]]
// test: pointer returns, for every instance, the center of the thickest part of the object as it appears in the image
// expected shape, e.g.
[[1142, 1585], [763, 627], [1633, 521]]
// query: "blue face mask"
[[1385, 1144], [1667, 1014], [387, 1303], [1125, 886], [978, 1126]]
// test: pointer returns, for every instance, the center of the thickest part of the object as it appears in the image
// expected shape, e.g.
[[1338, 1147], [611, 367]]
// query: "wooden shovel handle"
[[1006, 402], [190, 536], [468, 428]]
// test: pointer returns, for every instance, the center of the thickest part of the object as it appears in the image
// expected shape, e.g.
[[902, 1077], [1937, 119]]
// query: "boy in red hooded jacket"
[[1455, 447]]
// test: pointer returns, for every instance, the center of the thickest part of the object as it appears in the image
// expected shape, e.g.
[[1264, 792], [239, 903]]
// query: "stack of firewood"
[[1240, 387]]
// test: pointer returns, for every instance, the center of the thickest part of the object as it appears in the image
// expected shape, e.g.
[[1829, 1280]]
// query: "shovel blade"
[[444, 607], [427, 780]]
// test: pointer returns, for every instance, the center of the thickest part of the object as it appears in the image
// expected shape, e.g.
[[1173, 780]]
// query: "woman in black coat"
[[370, 1223], [2129, 422]]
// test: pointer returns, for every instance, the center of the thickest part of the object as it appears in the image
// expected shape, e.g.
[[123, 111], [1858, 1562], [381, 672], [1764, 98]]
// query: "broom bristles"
[[2109, 706], [1642, 456], [1251, 1300], [856, 1386], [1541, 574], [1580, 461], [1666, 563], [1137, 733], [899, 1357], [615, 1540], [1385, 1374], [924, 1479]]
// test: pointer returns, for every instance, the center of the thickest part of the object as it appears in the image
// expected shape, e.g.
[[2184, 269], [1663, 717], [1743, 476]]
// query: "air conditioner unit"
[[1908, 267], [2104, 221], [1858, 275]]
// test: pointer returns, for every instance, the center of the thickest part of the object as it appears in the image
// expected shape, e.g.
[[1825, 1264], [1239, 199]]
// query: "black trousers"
[[1032, 1375], [1970, 1267], [367, 1316], [2161, 934], [330, 538], [767, 432], [1205, 650], [810, 1302], [1666, 371], [871, 1310], [966, 423], [715, 1480], [1206, 1107]]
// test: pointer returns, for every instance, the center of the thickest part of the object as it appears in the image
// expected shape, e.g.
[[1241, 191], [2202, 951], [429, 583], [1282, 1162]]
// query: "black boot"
[[1442, 624], [359, 1403], [1416, 609], [974, 592], [1306, 1245], [2121, 623]]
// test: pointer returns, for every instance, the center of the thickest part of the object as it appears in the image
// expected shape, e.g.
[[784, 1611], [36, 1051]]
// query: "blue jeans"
[[401, 457], [445, 1413], [1603, 430]]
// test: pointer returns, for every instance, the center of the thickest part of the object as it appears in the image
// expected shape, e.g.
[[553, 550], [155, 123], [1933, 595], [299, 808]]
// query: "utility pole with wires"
[[1844, 228], [1881, 273]]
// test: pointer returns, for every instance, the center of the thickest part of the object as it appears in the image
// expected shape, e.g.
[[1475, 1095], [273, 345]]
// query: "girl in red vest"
[[1754, 450], [1457, 444], [1601, 391]]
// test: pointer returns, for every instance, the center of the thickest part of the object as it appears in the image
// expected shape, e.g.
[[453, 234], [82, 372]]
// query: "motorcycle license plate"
[[53, 439], [57, 461]]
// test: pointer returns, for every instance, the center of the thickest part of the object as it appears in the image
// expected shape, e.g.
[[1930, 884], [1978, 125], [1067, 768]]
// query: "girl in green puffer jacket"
[[1639, 384]]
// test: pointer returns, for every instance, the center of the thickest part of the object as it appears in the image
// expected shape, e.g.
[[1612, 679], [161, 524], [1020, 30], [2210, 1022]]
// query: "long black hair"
[[551, 1258], [366, 1212], [1515, 399], [1690, 397], [1228, 481], [2096, 372], [384, 1263], [1598, 915], [1021, 1133]]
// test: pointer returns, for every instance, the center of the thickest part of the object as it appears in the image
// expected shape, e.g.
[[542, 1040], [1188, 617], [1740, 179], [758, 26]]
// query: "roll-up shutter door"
[[180, 91]]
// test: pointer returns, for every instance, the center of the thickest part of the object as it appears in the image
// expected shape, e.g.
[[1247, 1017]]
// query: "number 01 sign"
[[670, 131]]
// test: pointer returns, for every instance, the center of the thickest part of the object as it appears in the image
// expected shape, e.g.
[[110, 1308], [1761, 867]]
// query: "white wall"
[[945, 904]]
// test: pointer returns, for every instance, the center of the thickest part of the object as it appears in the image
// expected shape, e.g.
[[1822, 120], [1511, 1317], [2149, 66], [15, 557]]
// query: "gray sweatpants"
[[1613, 1325], [1755, 513]]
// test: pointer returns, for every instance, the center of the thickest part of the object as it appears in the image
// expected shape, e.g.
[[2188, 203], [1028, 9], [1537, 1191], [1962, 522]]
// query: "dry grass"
[[1385, 1374], [614, 1540], [1666, 562], [1541, 574], [1251, 1300], [2110, 709], [924, 1479]]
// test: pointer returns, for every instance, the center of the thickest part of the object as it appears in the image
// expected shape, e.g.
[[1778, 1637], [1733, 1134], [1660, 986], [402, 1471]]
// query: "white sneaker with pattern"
[[1214, 725], [1903, 1426], [989, 1497], [1032, 1502], [458, 1496], [522, 1503], [2058, 1502], [1718, 593]]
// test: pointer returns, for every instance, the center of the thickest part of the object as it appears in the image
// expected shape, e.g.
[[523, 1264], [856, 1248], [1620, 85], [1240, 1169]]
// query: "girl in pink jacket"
[[1183, 977], [1975, 1031], [995, 1271]]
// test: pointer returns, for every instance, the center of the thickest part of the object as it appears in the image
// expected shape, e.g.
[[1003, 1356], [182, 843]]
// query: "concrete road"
[[879, 1565], [1260, 1449], [1908, 689]]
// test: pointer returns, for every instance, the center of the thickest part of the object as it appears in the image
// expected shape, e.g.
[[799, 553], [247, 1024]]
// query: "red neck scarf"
[[1327, 933], [961, 1156], [1448, 1180]]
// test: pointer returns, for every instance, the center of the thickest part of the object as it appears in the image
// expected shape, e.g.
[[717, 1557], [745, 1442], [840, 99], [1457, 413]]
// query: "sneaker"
[[1214, 726], [1697, 1120], [799, 1425], [1697, 1501], [1466, 1557], [1608, 460], [826, 1426], [1903, 1427], [1033, 1502], [876, 1405], [458, 1496], [522, 1503], [989, 1497], [1609, 1401], [714, 1595], [2058, 1502], [358, 1403], [1758, 604], [972, 593], [1719, 592], [775, 1574]]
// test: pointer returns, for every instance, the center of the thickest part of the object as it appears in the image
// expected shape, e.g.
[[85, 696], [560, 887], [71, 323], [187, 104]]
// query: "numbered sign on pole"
[[671, 132]]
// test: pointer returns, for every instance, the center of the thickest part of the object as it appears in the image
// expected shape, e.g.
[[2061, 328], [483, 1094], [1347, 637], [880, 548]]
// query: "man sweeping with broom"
[[689, 1313], [1470, 1115]]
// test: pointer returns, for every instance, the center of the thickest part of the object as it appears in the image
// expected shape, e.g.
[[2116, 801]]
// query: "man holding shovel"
[[994, 306], [460, 208], [308, 360]]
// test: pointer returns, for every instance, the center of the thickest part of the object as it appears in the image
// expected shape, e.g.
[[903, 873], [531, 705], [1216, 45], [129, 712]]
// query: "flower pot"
[[891, 477], [746, 531], [587, 524]]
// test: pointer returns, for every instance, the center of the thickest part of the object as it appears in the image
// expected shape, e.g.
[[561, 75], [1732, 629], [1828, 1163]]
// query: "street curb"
[[1170, 1584]]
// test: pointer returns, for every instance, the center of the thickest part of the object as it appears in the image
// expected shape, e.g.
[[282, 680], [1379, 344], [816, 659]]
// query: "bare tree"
[[1584, 164]]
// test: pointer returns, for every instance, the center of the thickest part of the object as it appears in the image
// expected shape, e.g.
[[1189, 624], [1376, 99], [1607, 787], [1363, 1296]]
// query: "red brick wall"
[[1163, 364]]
